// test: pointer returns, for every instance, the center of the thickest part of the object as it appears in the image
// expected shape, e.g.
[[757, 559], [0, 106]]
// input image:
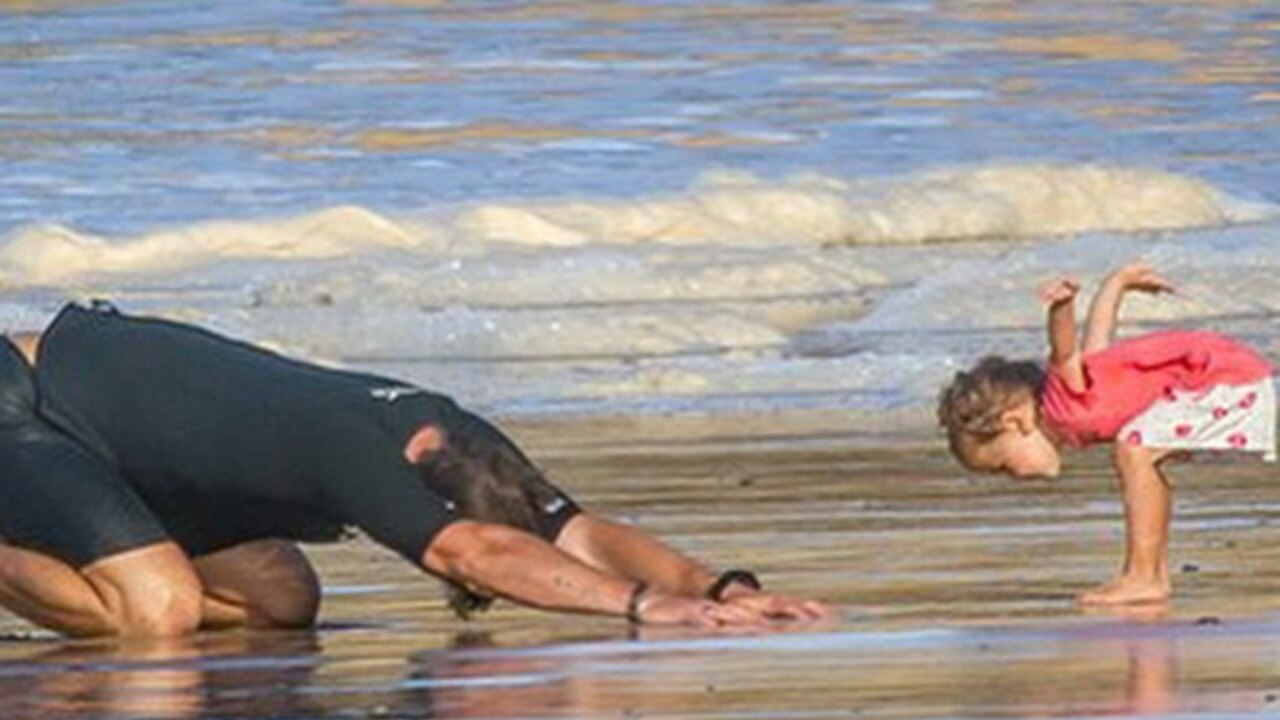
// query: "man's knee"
[[148, 592], [167, 611]]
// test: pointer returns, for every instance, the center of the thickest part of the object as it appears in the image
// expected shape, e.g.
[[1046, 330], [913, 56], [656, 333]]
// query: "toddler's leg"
[[1148, 507]]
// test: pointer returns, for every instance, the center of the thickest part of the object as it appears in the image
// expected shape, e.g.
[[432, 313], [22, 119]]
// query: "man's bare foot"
[[1128, 591]]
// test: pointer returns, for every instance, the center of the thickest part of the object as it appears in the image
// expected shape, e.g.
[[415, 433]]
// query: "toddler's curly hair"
[[969, 408]]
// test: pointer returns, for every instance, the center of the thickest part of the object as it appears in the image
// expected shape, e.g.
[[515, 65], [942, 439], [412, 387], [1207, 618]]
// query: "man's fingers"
[[797, 610], [807, 609], [816, 610], [730, 614], [773, 607]]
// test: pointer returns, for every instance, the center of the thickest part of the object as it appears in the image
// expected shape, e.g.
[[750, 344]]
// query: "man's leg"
[[80, 552], [149, 591], [264, 584], [28, 345]]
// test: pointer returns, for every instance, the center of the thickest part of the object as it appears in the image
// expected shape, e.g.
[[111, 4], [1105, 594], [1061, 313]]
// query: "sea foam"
[[993, 202]]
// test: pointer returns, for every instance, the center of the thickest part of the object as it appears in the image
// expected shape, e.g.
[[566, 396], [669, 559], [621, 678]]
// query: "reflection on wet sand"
[[1106, 668], [956, 599], [226, 675]]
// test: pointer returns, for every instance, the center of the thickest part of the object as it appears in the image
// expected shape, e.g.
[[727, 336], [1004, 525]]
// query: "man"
[[154, 478]]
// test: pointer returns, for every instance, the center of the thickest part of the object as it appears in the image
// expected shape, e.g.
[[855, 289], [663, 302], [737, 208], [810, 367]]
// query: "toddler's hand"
[[1141, 277], [1056, 292]]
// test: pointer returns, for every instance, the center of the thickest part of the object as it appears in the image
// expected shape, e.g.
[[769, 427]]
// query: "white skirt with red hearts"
[[1240, 418]]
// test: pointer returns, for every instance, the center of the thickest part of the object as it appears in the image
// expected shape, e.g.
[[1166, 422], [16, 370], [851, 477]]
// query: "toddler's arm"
[[1147, 511], [1064, 354], [1105, 308]]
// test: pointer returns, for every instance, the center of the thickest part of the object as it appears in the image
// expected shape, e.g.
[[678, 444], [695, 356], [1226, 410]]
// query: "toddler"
[[1151, 396]]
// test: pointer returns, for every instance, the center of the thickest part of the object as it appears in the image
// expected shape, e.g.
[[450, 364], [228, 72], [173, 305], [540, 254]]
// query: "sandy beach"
[[710, 263], [955, 599]]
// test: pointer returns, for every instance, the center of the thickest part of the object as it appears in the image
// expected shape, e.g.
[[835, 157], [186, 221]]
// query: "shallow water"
[[955, 600], [121, 115]]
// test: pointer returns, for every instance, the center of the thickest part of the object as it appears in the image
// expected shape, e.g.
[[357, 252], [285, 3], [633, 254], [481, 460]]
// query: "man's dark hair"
[[489, 480]]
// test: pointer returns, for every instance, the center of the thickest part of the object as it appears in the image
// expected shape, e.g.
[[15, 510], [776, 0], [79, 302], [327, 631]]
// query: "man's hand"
[[755, 609], [661, 609], [1058, 291], [766, 607]]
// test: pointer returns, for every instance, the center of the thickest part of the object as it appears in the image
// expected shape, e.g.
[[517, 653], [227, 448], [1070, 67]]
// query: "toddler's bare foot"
[[1128, 591]]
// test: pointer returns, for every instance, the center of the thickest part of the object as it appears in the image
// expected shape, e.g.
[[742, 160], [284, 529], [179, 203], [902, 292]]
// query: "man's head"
[[477, 467]]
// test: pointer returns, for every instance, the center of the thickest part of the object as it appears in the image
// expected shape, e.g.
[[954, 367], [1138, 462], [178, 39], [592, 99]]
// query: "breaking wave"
[[995, 202]]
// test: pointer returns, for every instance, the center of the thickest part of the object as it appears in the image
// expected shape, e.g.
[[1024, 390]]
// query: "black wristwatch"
[[729, 577]]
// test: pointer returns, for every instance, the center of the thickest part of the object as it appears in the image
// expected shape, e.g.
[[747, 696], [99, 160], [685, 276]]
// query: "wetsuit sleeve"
[[391, 504], [397, 510], [555, 509]]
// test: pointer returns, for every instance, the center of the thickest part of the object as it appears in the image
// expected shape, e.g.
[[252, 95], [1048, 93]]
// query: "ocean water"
[[590, 207]]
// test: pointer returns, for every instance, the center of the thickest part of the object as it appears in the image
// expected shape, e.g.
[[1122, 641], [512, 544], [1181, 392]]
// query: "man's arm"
[[1104, 311], [525, 568], [629, 552]]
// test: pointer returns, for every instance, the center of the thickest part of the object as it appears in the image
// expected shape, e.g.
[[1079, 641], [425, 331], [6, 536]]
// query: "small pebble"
[[1208, 620], [1269, 697], [1190, 568]]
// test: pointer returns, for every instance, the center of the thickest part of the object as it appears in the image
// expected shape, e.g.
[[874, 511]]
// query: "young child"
[[1151, 395]]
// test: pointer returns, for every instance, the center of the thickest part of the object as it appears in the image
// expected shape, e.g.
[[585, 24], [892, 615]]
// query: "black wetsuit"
[[147, 430]]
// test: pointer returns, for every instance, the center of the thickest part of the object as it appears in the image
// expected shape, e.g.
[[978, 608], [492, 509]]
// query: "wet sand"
[[955, 593]]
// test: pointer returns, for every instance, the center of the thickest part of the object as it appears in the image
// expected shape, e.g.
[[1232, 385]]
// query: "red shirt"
[[1126, 378]]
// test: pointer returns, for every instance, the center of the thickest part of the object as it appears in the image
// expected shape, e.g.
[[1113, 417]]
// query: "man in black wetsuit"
[[155, 476]]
